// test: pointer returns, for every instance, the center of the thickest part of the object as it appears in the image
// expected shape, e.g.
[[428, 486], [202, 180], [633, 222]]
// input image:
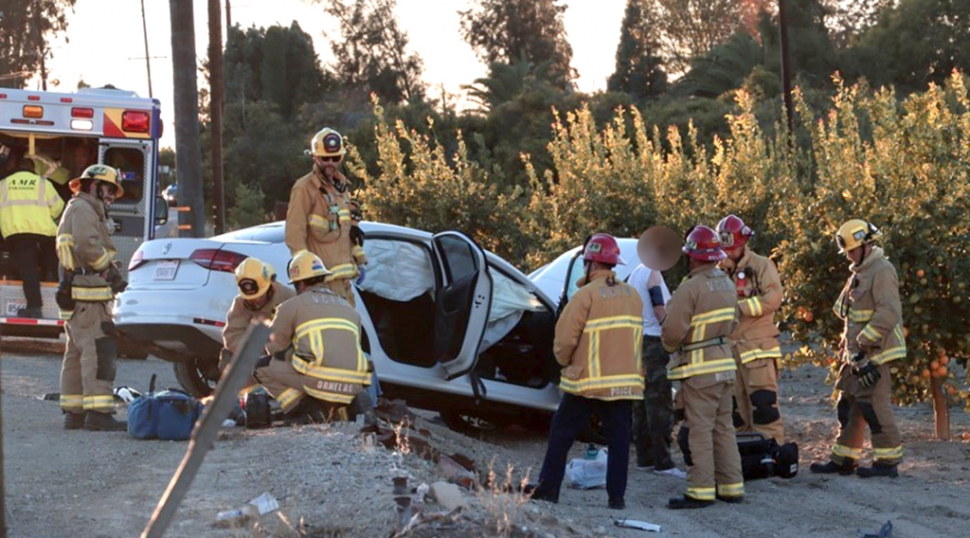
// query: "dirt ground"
[[329, 484]]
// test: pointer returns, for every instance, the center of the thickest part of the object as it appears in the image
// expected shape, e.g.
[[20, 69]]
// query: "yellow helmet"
[[253, 278], [100, 172], [855, 233], [327, 143], [305, 265]]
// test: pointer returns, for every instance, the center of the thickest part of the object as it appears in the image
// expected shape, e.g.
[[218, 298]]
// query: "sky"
[[105, 44]]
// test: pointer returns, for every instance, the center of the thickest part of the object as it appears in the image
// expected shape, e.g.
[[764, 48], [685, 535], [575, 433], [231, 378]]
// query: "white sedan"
[[448, 326]]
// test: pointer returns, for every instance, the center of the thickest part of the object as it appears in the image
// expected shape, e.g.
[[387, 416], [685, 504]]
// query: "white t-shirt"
[[639, 279]]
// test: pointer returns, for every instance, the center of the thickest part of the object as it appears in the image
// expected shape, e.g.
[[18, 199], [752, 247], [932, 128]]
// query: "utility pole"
[[228, 16], [217, 91], [786, 69], [148, 61], [187, 157]]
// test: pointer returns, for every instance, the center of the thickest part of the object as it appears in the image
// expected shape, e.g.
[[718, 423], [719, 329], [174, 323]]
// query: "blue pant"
[[570, 420]]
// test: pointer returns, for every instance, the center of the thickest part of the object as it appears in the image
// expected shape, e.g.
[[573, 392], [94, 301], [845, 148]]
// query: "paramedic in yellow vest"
[[701, 314], [29, 207], [597, 343], [873, 337], [86, 255], [315, 367], [755, 341], [322, 218], [259, 297]]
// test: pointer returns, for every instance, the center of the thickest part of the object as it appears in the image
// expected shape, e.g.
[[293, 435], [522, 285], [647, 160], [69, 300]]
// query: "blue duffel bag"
[[168, 415]]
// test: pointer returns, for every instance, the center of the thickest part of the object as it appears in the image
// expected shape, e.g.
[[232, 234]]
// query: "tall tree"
[[639, 70], [25, 27], [373, 53], [848, 20], [510, 30]]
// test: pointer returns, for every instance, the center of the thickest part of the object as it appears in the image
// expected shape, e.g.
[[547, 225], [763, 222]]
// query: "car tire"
[[196, 376]]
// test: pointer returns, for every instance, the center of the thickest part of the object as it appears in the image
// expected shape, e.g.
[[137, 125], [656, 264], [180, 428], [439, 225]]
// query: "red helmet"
[[703, 244], [604, 249], [733, 231]]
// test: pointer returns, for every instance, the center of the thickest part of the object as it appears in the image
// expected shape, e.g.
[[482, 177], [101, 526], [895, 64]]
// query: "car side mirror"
[[161, 211]]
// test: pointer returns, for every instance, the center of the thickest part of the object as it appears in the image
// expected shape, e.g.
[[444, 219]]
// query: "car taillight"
[[214, 259], [136, 261]]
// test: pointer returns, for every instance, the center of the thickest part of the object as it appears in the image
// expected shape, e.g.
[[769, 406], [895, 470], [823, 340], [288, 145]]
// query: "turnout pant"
[[653, 416], [88, 370], [756, 396], [859, 406], [28, 249], [716, 463], [286, 385], [570, 419]]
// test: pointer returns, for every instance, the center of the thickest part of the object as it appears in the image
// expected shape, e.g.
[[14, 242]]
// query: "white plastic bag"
[[587, 474]]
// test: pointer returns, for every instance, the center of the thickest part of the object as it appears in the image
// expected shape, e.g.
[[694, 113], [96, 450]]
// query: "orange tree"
[[904, 167]]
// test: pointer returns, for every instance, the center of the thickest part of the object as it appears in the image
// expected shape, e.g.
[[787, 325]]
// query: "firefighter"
[[29, 207], [315, 368], [701, 314], [87, 290], [322, 218], [873, 337], [259, 297], [755, 341], [597, 343]]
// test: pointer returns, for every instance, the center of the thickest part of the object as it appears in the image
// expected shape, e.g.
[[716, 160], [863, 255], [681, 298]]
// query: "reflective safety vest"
[[701, 314], [598, 340], [324, 332], [870, 307], [28, 205]]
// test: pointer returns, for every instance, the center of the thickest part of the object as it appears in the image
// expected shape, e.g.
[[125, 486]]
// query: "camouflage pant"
[[653, 417]]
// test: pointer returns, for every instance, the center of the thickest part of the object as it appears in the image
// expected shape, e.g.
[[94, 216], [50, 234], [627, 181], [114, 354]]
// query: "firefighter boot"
[[878, 469], [95, 421], [846, 468], [685, 502], [73, 421]]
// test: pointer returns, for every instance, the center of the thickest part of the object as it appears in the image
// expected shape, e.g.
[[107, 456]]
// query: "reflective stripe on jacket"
[[324, 331], [318, 219], [870, 307], [84, 246], [240, 315], [598, 340], [701, 311], [759, 296], [29, 204]]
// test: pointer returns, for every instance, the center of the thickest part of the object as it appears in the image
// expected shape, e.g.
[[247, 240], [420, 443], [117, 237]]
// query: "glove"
[[363, 273], [866, 370], [63, 297], [357, 236], [117, 283]]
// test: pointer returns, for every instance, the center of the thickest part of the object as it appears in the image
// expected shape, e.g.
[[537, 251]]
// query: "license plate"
[[11, 306], [166, 269]]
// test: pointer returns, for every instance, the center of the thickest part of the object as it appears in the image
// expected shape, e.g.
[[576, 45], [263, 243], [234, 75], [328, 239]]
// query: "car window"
[[131, 163], [458, 257]]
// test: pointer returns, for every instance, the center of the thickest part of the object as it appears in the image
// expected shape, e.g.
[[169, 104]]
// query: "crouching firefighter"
[[315, 367], [86, 256], [260, 295], [870, 308]]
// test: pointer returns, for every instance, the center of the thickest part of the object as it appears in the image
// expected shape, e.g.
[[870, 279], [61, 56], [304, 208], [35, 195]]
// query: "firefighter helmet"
[[327, 143], [854, 233], [305, 265], [603, 248], [100, 172], [253, 278], [703, 244], [733, 232]]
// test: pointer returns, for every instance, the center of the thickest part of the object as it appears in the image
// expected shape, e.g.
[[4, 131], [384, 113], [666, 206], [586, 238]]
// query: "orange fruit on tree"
[[808, 317], [920, 273], [944, 360], [925, 374], [941, 371], [934, 365]]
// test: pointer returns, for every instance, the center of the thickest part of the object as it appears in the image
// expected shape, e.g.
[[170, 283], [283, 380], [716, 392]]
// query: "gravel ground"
[[329, 484]]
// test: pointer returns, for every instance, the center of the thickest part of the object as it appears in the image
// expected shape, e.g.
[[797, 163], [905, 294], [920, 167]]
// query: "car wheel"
[[198, 377], [465, 422]]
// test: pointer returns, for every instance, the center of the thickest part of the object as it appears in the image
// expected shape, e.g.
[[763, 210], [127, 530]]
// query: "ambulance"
[[69, 132]]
